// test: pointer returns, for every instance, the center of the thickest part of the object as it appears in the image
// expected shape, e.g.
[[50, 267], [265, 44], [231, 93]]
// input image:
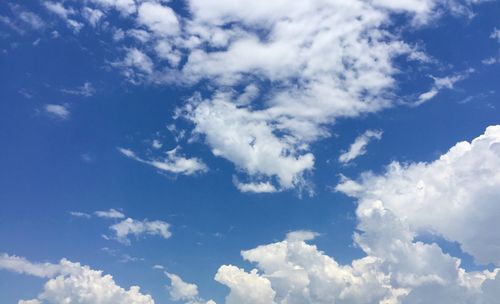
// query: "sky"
[[249, 152]]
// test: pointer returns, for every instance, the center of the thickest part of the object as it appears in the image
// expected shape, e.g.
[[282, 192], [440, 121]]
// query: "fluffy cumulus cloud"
[[73, 283], [327, 60], [358, 147], [184, 292], [247, 139], [455, 197], [160, 19], [282, 72]]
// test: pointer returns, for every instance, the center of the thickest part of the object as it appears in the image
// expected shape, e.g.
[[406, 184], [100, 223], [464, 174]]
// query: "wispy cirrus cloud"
[[441, 83], [358, 147], [172, 163], [86, 90], [110, 214], [80, 214]]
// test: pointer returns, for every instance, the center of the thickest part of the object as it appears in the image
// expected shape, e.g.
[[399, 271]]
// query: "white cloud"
[[92, 15], [125, 7], [325, 59], [343, 70], [172, 163], [491, 60], [64, 13], [138, 228], [245, 288], [58, 9], [180, 290], [57, 111], [80, 214], [34, 301], [141, 35], [165, 50], [358, 147], [32, 19], [262, 187], [158, 18], [73, 283], [248, 140], [447, 82], [396, 270], [455, 196], [138, 60], [23, 266], [86, 90], [495, 34], [156, 144], [110, 214]]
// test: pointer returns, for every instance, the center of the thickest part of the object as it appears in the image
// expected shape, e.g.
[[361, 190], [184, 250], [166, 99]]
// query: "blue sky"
[[217, 133]]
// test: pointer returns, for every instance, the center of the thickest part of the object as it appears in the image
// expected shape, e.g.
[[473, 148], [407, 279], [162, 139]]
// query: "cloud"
[[180, 290], [491, 60], [343, 70], [125, 7], [455, 196], [447, 82], [160, 19], [80, 214], [34, 301], [23, 266], [495, 34], [248, 140], [60, 111], [245, 288], [262, 187], [110, 214], [64, 13], [73, 283], [22, 19], [172, 163], [292, 271], [122, 257], [156, 144], [31, 19], [137, 59], [86, 90], [358, 147], [138, 228], [325, 59], [93, 16]]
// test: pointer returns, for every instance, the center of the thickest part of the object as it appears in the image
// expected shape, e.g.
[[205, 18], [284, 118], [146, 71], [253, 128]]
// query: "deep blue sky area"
[[53, 165]]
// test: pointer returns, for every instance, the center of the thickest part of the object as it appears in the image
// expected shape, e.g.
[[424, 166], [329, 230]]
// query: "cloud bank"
[[455, 197], [273, 79]]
